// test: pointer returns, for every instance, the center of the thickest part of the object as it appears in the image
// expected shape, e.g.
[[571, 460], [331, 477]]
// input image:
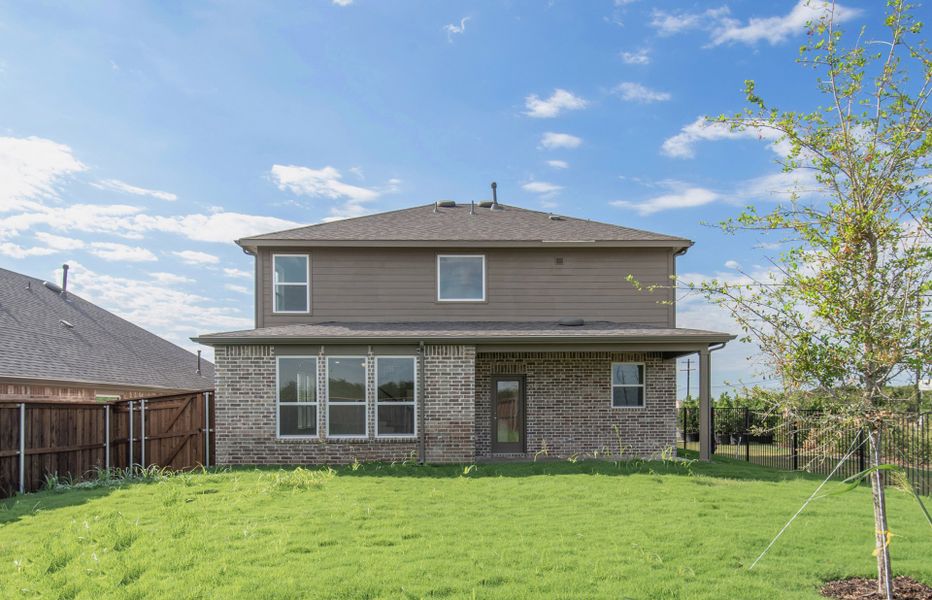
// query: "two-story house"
[[454, 333]]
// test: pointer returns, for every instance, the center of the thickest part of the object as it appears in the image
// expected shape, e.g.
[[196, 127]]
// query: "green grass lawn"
[[550, 529]]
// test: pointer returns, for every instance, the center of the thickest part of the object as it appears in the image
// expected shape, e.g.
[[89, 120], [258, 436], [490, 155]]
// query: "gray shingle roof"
[[445, 331], [100, 348], [430, 223]]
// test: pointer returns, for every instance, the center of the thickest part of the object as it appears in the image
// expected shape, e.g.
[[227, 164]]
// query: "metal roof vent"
[[52, 286], [554, 217], [65, 323], [572, 322], [446, 204], [495, 205]]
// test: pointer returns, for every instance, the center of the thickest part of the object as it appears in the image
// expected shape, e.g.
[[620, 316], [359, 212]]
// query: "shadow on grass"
[[24, 505]]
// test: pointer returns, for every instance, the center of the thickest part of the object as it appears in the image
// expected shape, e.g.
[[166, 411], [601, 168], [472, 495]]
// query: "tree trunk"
[[882, 551]]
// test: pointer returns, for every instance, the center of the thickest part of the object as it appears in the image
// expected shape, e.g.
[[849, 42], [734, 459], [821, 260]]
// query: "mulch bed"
[[859, 588]]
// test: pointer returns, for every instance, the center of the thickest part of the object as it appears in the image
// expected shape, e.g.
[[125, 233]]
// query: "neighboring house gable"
[[62, 347]]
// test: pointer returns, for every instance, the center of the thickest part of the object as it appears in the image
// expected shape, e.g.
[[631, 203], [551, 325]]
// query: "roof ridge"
[[372, 227], [322, 223]]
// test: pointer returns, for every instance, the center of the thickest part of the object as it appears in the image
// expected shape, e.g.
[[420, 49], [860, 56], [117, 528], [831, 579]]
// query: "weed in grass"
[[297, 479]]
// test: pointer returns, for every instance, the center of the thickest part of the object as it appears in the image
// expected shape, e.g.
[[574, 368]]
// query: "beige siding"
[[399, 284]]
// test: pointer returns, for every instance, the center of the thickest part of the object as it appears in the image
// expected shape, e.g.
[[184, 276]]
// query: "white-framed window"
[[296, 396], [460, 278], [346, 397], [396, 396], [291, 283], [627, 385]]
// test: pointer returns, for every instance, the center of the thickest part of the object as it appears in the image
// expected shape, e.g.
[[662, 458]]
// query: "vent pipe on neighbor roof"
[[198, 362], [64, 280], [472, 207]]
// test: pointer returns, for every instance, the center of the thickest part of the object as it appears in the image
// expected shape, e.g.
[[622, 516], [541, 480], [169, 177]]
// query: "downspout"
[[421, 441]]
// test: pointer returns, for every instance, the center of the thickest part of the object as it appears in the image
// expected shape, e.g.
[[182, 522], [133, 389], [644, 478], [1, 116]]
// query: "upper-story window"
[[291, 283], [460, 278]]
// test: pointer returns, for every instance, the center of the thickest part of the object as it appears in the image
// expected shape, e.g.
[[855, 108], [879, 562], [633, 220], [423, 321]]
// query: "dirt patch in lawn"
[[860, 588]]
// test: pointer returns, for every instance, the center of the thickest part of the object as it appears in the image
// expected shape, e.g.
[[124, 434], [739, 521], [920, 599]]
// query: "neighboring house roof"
[[463, 225], [45, 336], [465, 331]]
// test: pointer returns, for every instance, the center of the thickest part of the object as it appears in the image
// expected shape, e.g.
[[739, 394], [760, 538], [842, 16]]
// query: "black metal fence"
[[792, 444]]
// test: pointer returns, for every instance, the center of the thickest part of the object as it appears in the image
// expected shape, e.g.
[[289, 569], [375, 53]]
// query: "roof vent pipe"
[[64, 280], [472, 207], [198, 362], [495, 205]]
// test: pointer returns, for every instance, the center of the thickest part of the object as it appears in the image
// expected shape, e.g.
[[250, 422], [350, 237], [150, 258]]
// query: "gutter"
[[563, 339]]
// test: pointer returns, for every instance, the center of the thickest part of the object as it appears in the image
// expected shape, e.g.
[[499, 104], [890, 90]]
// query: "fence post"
[[107, 438], [22, 448], [747, 434], [685, 410], [860, 450], [130, 415], [795, 447], [142, 433], [206, 429]]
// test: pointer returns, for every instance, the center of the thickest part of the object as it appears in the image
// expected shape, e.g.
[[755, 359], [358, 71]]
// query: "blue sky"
[[137, 140]]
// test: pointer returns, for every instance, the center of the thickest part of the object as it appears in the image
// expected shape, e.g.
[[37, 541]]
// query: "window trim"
[[279, 403], [389, 436], [307, 284], [484, 291], [613, 385], [364, 403]]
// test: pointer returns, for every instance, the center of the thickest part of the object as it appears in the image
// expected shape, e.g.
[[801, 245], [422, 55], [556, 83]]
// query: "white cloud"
[[799, 183], [671, 23], [541, 187], [193, 257], [558, 102], [233, 272], [120, 252], [326, 182], [724, 29], [170, 278], [558, 164], [16, 251], [682, 144], [121, 186], [453, 29], [58, 242], [30, 168], [551, 141], [777, 29], [689, 197], [221, 227], [175, 314], [342, 2], [638, 57], [635, 92], [239, 289], [732, 264]]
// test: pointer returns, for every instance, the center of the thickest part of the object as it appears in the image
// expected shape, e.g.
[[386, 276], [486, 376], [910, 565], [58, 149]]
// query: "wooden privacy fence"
[[74, 439]]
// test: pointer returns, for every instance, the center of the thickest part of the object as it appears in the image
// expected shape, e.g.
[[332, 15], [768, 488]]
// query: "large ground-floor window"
[[346, 396], [296, 396], [396, 385]]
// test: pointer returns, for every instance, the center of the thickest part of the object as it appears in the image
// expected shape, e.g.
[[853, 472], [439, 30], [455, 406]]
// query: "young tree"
[[843, 305]]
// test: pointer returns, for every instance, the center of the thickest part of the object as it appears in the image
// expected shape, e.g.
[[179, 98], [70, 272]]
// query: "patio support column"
[[705, 405]]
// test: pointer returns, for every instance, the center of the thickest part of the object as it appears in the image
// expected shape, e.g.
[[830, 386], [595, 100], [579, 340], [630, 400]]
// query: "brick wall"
[[450, 407], [246, 419], [568, 408], [569, 403]]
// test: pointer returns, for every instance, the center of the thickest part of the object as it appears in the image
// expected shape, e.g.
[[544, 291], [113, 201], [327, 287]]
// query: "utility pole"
[[689, 369]]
